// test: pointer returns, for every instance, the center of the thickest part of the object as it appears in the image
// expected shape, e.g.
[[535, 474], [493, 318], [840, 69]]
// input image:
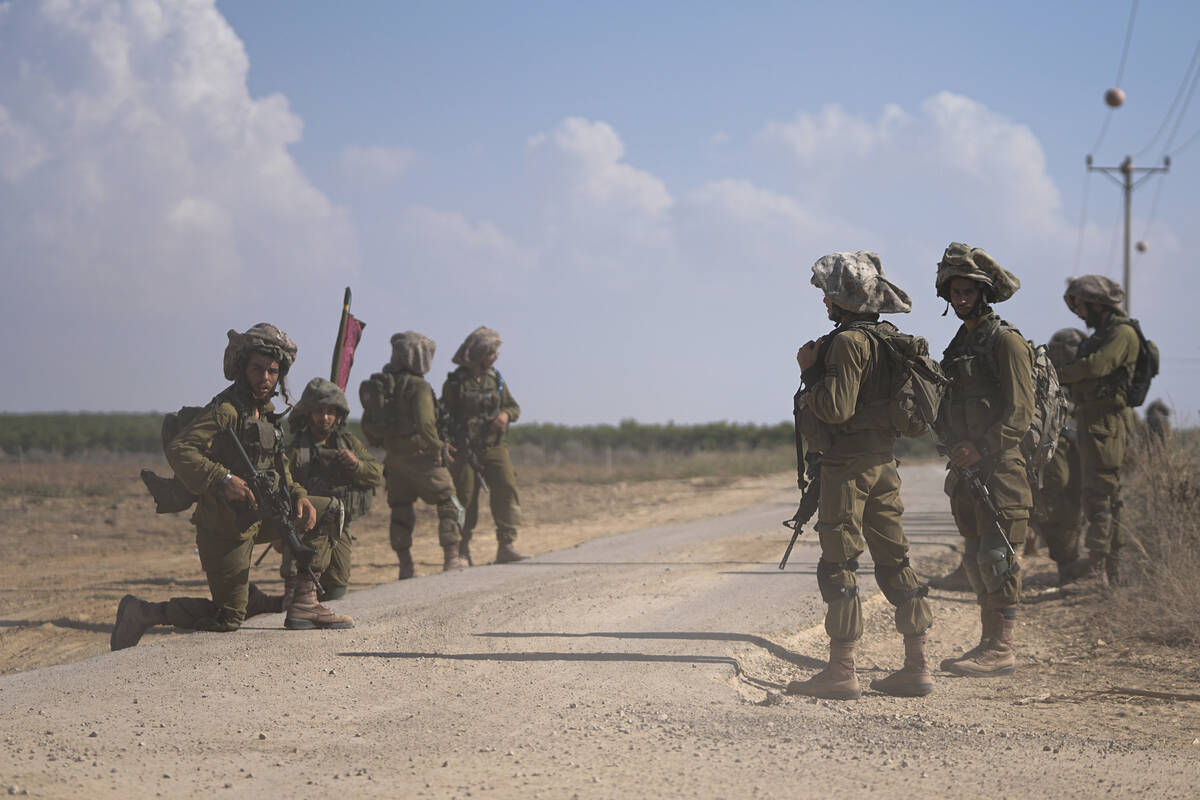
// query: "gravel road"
[[646, 664]]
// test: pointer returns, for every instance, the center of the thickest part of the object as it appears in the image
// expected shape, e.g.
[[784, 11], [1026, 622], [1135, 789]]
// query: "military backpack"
[[1051, 413], [917, 382], [1144, 370]]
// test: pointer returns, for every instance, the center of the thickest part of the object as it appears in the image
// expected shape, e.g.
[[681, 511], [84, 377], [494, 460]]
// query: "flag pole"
[[341, 337]]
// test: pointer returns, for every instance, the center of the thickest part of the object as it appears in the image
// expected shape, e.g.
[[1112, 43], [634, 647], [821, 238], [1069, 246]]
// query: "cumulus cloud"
[[448, 246], [136, 167], [376, 163], [830, 133]]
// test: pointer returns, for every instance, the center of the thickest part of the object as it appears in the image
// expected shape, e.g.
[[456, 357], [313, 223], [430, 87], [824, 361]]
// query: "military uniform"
[[1097, 381], [413, 466], [205, 461], [989, 407], [843, 412], [316, 466]]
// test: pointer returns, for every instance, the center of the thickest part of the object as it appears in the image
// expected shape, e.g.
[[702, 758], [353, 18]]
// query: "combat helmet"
[[855, 282], [1094, 289], [478, 345], [412, 352], [262, 338], [963, 261], [318, 393], [1063, 347]]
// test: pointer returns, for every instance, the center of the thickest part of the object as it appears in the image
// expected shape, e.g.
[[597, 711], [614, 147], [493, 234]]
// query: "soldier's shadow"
[[607, 656]]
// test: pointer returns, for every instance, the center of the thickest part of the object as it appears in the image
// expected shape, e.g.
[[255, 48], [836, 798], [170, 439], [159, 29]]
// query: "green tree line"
[[71, 433]]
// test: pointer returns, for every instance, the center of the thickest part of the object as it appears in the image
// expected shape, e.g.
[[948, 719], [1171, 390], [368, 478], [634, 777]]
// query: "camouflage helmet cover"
[[1094, 289], [262, 338], [479, 344], [855, 282], [963, 261], [318, 394], [1063, 347], [412, 352]]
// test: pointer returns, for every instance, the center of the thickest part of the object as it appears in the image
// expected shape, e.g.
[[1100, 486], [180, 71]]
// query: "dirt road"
[[646, 664]]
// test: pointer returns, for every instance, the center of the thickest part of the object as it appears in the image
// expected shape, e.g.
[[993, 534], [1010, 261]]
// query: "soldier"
[[329, 461], [1056, 508], [227, 517], [843, 413], [479, 407], [1158, 422], [407, 425], [1098, 380], [986, 413]]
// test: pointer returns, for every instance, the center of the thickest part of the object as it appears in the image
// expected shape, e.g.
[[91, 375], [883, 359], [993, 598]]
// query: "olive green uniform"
[[226, 532], [844, 413], [1098, 380], [470, 404], [412, 466], [317, 469], [1056, 508], [990, 403]]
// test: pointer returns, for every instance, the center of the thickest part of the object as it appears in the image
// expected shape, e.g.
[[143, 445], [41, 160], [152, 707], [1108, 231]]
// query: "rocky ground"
[[643, 652]]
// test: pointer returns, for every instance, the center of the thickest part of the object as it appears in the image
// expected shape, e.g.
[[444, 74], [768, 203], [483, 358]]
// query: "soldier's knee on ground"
[[400, 531], [900, 586], [839, 589]]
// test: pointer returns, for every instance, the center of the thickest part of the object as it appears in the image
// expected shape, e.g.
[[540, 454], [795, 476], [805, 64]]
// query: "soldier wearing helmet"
[[1056, 507], [842, 412], [226, 519], [984, 416], [329, 461], [1098, 380]]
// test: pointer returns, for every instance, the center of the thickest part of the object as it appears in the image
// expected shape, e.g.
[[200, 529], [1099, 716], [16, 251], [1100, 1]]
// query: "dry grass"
[[619, 465], [1162, 515]]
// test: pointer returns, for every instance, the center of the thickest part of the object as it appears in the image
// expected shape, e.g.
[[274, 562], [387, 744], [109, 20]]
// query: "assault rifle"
[[473, 461], [808, 507], [983, 496], [275, 504]]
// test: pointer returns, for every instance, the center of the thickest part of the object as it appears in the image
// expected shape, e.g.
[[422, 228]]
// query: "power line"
[[1182, 112], [1120, 73], [1190, 140], [1187, 77]]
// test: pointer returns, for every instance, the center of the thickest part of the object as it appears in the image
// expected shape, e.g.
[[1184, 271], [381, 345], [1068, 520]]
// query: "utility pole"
[[1127, 184]]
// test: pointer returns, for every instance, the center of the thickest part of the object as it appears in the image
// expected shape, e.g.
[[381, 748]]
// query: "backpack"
[[170, 495], [1051, 413], [1144, 369], [918, 384], [375, 393]]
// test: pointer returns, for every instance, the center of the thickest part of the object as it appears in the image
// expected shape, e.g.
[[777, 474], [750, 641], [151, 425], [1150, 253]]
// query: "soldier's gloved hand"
[[347, 459], [306, 514], [237, 489], [500, 421], [965, 455]]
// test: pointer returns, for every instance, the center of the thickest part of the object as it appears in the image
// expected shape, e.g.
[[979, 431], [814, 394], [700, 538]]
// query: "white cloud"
[[448, 246], [376, 163], [815, 138], [139, 169]]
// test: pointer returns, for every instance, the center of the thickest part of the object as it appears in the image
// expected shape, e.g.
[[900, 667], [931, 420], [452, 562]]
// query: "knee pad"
[[836, 579], [894, 583], [333, 521], [994, 564], [452, 509]]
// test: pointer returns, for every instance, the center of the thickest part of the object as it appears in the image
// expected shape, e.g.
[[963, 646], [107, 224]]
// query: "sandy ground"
[[647, 662]]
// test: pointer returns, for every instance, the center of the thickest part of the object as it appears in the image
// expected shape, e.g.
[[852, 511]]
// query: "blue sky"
[[632, 194]]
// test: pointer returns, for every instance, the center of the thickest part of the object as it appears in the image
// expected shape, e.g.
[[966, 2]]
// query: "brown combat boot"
[[838, 681], [262, 603], [985, 627], [913, 679], [407, 570], [998, 657], [452, 561], [506, 554], [305, 613], [464, 552], [135, 617]]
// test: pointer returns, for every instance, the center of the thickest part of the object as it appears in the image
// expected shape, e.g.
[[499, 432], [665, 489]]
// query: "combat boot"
[[506, 554], [305, 613], [407, 570], [985, 633], [838, 681], [134, 618], [998, 657], [913, 679], [452, 561], [262, 603], [464, 552]]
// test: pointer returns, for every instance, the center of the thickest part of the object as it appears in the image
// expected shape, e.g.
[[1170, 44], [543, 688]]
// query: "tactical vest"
[[478, 402], [1116, 383], [975, 399], [319, 471]]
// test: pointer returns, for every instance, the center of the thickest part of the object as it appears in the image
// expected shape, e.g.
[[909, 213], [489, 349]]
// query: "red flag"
[[351, 333]]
